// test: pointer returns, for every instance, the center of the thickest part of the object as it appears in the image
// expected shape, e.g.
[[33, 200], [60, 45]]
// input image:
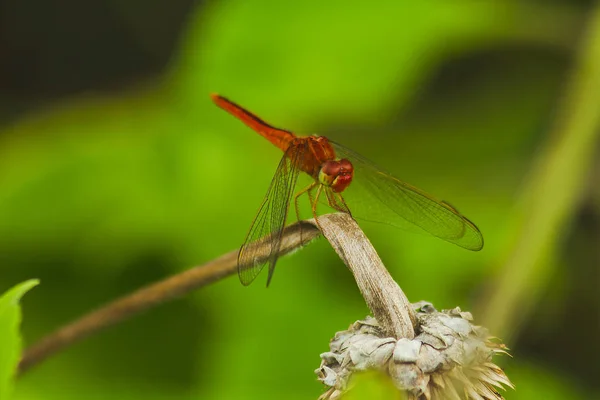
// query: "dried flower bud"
[[450, 358]]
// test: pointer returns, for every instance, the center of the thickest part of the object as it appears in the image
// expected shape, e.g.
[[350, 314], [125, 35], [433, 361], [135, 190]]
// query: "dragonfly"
[[344, 180]]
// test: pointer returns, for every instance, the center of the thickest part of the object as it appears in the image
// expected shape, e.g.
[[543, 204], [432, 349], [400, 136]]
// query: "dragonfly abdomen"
[[279, 137]]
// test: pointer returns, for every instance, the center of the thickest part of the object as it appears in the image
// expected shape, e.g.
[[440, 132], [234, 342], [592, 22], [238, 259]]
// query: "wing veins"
[[263, 241], [415, 206]]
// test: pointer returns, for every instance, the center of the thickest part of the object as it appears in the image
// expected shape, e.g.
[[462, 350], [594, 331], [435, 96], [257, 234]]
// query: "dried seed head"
[[450, 358]]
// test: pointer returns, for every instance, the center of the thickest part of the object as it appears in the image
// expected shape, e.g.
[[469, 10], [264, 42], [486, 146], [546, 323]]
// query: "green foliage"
[[373, 386], [102, 194], [535, 381], [10, 338]]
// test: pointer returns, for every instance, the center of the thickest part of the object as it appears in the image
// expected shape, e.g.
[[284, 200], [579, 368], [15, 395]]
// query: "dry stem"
[[153, 295]]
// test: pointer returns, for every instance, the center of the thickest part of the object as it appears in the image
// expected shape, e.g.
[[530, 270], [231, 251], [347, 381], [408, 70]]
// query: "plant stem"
[[294, 237], [552, 198], [383, 296]]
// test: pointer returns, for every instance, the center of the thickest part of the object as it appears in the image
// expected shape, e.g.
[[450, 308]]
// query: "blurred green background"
[[116, 170]]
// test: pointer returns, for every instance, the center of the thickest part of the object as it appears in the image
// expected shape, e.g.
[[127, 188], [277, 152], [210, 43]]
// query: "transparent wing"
[[375, 195], [263, 241]]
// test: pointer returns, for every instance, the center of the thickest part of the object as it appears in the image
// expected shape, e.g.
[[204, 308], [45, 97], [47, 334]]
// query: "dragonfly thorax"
[[336, 174]]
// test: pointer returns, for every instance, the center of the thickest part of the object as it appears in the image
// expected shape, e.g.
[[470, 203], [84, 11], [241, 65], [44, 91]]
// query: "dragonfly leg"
[[346, 209], [314, 205], [310, 196], [297, 206], [336, 201]]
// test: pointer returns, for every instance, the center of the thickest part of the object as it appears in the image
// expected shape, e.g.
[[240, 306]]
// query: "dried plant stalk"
[[382, 294], [294, 237], [429, 355]]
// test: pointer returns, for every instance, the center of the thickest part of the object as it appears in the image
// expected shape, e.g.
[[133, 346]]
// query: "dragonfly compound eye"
[[346, 165], [336, 174], [344, 176], [329, 172]]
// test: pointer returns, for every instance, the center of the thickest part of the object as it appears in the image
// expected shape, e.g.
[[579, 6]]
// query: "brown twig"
[[294, 237]]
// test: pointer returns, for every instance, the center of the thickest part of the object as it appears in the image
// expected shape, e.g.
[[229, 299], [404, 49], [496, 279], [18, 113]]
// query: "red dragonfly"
[[376, 195]]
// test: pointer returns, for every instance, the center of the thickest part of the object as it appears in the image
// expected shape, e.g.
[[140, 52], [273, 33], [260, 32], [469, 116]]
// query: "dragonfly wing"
[[263, 241], [377, 196]]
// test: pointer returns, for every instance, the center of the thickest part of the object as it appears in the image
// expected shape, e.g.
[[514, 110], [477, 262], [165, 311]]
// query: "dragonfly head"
[[336, 174]]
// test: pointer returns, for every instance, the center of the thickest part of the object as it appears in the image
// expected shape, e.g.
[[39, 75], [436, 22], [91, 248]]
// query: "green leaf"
[[373, 385], [10, 339]]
